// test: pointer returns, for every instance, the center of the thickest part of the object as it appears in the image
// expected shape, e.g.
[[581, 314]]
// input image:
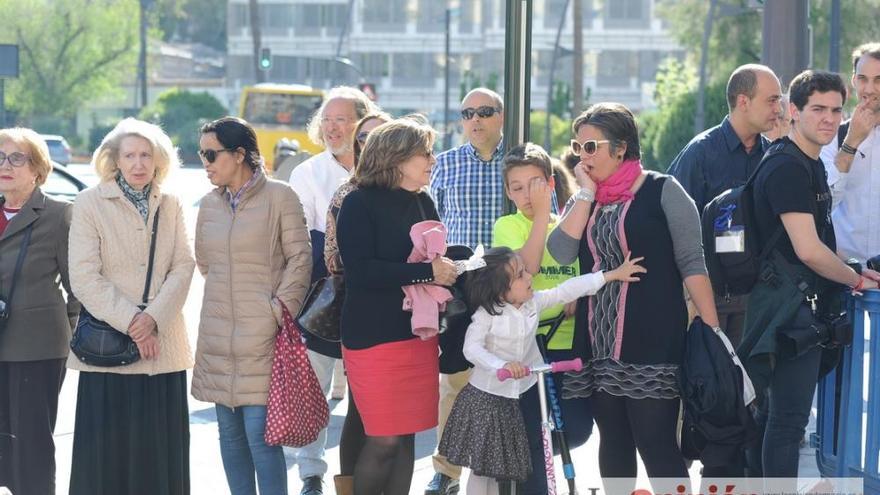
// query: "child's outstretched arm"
[[475, 342], [588, 284], [627, 270]]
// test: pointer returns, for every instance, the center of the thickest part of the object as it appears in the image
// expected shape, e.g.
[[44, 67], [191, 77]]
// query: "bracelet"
[[849, 150], [585, 195]]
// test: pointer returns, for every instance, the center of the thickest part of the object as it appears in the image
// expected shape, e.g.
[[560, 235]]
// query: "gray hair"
[[362, 106]]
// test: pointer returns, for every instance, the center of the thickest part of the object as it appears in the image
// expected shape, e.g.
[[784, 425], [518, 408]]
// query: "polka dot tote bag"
[[297, 409]]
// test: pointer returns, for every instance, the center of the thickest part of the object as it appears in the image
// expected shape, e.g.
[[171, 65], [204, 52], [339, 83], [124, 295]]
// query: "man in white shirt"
[[315, 181], [853, 163]]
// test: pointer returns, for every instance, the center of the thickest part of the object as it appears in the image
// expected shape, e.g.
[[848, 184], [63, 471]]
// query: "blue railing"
[[848, 426]]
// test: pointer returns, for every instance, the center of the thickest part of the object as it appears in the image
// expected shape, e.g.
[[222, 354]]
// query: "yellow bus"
[[280, 110]]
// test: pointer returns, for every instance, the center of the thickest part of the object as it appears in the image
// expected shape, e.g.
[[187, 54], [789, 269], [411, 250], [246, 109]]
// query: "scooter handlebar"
[[555, 367]]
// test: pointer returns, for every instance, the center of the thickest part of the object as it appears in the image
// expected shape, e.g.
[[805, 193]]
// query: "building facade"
[[399, 46]]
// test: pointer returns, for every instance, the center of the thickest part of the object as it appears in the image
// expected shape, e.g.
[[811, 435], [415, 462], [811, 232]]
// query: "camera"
[[874, 263]]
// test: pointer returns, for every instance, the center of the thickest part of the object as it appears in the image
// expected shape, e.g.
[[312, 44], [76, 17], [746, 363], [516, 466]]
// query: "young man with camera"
[[793, 325]]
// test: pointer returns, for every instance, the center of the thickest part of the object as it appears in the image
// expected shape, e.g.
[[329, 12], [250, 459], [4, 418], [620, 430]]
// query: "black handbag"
[[96, 343], [322, 309]]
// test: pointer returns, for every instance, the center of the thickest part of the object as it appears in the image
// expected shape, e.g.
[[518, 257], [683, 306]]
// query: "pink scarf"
[[616, 188]]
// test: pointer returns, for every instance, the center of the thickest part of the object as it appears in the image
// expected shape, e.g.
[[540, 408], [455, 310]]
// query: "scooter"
[[546, 425]]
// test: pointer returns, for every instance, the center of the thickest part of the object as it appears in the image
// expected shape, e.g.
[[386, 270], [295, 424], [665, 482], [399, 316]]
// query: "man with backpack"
[[727, 154], [793, 324], [853, 163]]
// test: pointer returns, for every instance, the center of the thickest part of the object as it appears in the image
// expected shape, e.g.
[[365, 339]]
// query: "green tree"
[[858, 21], [194, 21], [70, 51], [180, 113], [665, 131], [560, 131]]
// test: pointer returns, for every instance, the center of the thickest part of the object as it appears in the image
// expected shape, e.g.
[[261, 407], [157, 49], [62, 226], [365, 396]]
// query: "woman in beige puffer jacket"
[[252, 246]]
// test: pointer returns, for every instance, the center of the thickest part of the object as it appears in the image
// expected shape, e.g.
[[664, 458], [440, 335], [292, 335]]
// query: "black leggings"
[[647, 424], [385, 466], [352, 438]]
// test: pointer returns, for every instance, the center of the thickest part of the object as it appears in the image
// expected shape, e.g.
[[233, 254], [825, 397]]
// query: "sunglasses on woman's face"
[[16, 158], [362, 137], [589, 147], [483, 112], [211, 155]]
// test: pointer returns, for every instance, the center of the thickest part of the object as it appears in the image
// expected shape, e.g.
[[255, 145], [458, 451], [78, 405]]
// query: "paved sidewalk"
[[207, 470]]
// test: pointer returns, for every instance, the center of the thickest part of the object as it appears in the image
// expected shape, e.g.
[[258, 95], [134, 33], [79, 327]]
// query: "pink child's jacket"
[[426, 300]]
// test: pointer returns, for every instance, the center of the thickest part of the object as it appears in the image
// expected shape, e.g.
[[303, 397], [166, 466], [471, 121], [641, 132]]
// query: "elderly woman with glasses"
[[252, 247], [636, 331], [132, 421], [35, 320]]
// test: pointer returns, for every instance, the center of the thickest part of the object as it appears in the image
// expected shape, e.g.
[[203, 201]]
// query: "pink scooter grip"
[[555, 367]]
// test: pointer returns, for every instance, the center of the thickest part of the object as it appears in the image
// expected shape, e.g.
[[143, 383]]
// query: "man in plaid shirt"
[[467, 186], [466, 181]]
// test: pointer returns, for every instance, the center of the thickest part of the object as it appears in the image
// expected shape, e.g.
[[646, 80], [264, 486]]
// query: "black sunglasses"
[[362, 137], [483, 112], [16, 158], [211, 155], [590, 147]]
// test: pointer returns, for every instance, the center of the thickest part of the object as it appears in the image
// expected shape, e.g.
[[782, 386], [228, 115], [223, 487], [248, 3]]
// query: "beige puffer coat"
[[109, 247], [248, 258]]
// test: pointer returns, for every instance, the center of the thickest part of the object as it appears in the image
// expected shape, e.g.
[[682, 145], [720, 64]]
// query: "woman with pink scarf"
[[634, 332]]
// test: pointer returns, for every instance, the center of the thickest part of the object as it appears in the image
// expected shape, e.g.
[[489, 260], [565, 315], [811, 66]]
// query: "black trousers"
[[28, 409]]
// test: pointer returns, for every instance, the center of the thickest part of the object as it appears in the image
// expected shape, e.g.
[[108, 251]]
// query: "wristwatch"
[[585, 195]]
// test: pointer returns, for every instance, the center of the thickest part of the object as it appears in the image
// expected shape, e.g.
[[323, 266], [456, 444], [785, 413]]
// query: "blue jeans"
[[244, 452]]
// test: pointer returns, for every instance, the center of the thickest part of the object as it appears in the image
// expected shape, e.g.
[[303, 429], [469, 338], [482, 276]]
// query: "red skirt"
[[396, 386]]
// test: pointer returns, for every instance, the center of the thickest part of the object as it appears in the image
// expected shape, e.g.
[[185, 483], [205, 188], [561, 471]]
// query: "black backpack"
[[734, 273]]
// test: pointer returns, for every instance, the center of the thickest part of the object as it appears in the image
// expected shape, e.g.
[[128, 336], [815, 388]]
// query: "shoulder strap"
[[152, 254], [20, 261], [772, 151]]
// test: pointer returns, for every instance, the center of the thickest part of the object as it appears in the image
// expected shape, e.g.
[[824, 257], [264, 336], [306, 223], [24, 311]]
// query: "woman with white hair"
[[132, 423]]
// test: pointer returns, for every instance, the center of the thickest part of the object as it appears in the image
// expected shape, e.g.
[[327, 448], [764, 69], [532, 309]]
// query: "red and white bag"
[[296, 409]]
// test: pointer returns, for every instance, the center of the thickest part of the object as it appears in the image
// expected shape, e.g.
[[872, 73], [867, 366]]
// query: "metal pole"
[[547, 141], [785, 39], [517, 70], [447, 136], [142, 60], [834, 47], [342, 34], [700, 117], [2, 103]]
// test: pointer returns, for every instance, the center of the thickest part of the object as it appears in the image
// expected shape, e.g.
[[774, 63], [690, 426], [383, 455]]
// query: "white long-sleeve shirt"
[[855, 198], [493, 341], [315, 181]]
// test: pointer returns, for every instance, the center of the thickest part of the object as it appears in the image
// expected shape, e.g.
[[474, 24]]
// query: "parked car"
[[62, 184], [59, 150]]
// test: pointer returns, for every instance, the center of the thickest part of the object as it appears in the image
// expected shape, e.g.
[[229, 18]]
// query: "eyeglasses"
[[589, 147], [362, 137], [211, 155], [340, 121], [16, 159], [483, 112]]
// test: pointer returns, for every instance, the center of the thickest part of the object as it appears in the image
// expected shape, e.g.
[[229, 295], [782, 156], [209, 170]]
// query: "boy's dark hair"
[[487, 286], [814, 81], [527, 154], [570, 158]]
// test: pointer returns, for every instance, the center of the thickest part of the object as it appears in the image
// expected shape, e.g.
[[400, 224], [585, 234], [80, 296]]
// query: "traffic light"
[[265, 58]]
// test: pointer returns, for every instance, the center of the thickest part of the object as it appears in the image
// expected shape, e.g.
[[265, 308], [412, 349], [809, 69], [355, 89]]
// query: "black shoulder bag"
[[5, 302], [96, 343]]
